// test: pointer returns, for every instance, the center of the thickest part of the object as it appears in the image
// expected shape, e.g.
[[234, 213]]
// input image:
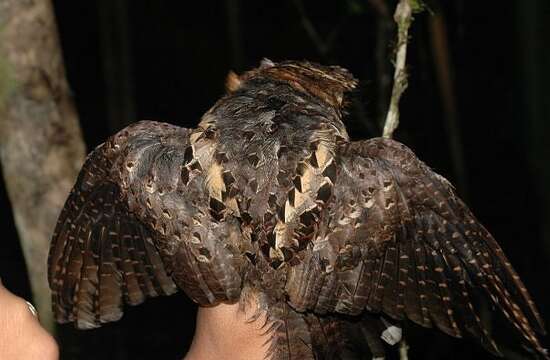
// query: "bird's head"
[[328, 83]]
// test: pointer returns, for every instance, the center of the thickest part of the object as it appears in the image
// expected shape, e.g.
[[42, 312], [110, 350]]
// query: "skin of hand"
[[225, 332], [21, 336]]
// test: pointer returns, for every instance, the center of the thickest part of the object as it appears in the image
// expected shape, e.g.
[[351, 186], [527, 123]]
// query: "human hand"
[[21, 336]]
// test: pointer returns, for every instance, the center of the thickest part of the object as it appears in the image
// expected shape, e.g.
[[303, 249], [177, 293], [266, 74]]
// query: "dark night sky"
[[174, 70]]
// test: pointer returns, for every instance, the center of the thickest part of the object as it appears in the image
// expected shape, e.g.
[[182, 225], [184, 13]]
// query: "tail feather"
[[305, 335]]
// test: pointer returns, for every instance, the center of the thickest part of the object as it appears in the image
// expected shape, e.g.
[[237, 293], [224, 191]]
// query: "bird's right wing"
[[396, 239], [136, 220]]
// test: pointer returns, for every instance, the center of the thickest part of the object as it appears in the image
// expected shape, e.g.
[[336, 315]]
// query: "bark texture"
[[403, 18], [41, 146]]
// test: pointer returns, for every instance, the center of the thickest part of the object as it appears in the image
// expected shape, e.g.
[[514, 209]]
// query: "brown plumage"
[[268, 199]]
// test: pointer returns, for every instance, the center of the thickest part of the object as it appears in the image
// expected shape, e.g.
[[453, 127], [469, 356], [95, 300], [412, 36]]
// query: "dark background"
[[484, 126]]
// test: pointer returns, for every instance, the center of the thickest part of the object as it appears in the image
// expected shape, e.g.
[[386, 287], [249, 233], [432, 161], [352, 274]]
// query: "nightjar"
[[267, 199]]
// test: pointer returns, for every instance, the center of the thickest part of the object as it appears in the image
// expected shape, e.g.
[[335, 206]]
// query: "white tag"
[[392, 335]]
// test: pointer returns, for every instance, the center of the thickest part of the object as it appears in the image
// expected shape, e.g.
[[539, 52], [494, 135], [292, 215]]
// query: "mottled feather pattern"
[[269, 203]]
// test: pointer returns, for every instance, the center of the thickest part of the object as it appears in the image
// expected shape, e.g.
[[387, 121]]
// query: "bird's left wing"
[[394, 238], [136, 222], [101, 254]]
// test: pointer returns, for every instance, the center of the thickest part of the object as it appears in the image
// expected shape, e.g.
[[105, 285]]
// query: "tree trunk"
[[41, 146]]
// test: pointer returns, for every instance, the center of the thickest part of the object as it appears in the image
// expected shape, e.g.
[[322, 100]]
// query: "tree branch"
[[442, 62], [384, 31], [403, 350], [115, 41], [403, 18], [323, 46]]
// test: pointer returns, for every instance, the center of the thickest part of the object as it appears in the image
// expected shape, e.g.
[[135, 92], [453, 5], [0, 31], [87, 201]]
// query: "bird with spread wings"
[[268, 202]]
